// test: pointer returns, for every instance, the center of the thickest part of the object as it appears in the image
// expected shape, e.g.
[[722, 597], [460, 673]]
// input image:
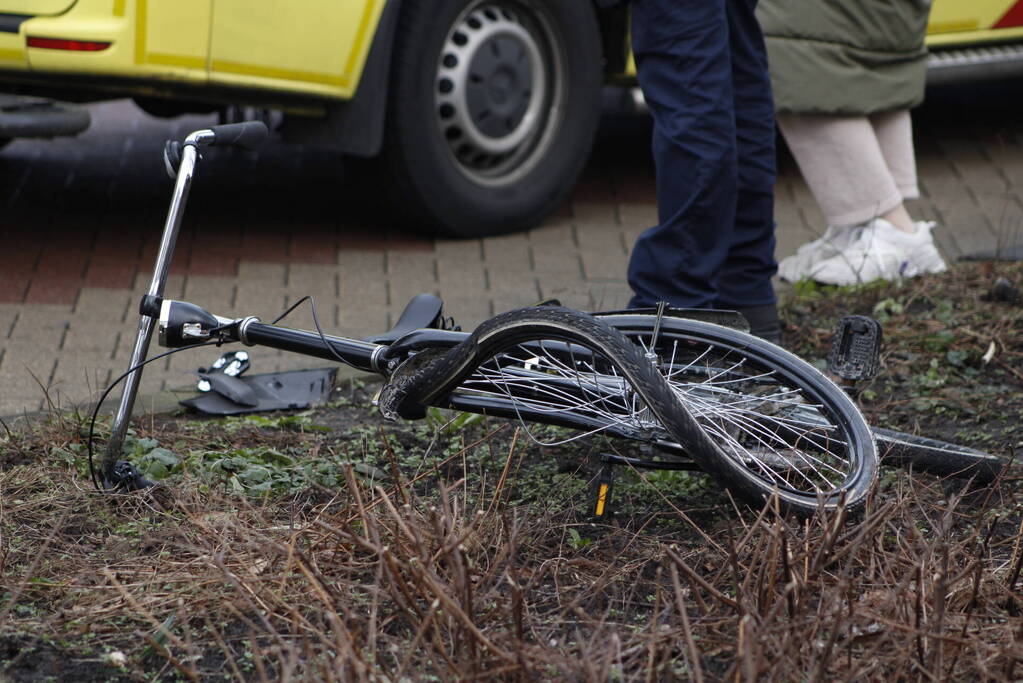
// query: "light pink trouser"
[[857, 167]]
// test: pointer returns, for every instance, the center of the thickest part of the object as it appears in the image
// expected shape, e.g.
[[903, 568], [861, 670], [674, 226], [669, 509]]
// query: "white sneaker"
[[796, 267], [881, 251]]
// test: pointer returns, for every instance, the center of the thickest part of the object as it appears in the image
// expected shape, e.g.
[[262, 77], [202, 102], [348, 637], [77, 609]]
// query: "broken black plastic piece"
[[231, 388], [856, 348], [295, 390]]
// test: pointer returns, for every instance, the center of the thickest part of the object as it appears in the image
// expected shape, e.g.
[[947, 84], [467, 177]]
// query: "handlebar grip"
[[247, 134]]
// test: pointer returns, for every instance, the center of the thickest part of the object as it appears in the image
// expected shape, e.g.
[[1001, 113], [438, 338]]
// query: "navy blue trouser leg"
[[702, 67]]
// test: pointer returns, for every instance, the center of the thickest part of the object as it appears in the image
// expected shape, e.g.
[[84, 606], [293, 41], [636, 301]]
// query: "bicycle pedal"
[[602, 488], [856, 348]]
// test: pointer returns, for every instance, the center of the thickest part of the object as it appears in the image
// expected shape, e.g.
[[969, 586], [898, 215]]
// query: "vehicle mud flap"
[[294, 390]]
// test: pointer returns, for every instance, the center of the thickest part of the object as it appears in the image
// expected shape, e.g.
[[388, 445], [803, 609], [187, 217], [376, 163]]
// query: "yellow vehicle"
[[482, 112]]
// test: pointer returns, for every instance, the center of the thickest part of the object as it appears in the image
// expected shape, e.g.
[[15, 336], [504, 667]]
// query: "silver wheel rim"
[[499, 77], [775, 432]]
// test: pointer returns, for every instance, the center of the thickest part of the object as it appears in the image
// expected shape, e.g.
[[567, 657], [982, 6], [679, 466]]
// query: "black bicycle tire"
[[940, 458], [434, 380], [801, 373]]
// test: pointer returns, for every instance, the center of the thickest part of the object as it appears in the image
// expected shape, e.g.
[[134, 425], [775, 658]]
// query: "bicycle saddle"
[[422, 311]]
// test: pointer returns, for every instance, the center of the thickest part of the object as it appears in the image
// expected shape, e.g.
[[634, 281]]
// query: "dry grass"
[[365, 583]]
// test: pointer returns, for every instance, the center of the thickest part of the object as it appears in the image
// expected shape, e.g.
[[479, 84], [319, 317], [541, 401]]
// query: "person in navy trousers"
[[702, 67]]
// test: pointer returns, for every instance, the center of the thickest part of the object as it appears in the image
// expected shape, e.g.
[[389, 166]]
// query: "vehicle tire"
[[493, 105], [781, 423], [557, 366], [936, 457]]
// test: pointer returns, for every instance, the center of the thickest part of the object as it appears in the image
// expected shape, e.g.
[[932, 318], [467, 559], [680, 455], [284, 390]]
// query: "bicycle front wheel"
[[778, 422], [562, 367]]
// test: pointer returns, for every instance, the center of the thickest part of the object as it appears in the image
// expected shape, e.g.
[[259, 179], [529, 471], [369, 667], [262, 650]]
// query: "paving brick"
[[319, 281], [508, 252], [41, 321], [461, 277], [364, 322], [107, 305], [268, 274], [43, 290], [313, 246], [458, 251], [13, 287], [500, 304], [556, 260], [609, 296], [602, 251], [110, 275], [215, 294], [21, 393], [362, 263], [635, 218], [362, 294], [554, 235], [91, 339], [174, 288], [8, 314], [468, 309], [505, 283], [410, 274], [590, 217]]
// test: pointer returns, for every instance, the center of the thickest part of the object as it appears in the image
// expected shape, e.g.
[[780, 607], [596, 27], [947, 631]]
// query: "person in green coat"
[[845, 74]]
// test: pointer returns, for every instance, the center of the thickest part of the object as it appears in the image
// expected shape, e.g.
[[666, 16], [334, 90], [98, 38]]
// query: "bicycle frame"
[[183, 325]]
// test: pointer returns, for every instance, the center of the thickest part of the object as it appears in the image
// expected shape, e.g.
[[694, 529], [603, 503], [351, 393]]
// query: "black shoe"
[[763, 322]]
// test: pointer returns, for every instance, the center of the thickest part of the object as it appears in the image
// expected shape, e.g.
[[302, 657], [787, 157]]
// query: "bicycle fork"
[[180, 160], [147, 317]]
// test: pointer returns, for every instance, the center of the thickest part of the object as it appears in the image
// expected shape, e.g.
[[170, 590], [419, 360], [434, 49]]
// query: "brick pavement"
[[80, 219]]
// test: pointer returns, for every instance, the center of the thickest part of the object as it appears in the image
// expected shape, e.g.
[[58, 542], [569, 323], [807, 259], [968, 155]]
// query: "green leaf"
[[158, 463], [885, 309], [957, 358], [161, 634]]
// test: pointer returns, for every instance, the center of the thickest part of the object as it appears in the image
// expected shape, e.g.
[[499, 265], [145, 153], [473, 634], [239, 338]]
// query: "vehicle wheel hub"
[[491, 90]]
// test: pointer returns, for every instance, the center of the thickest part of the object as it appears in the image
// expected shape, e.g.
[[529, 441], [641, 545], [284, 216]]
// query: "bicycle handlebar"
[[247, 134]]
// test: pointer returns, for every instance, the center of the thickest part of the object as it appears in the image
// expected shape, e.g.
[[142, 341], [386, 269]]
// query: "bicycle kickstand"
[[602, 487]]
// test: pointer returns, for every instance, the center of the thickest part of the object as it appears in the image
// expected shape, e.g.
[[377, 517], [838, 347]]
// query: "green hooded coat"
[[845, 57]]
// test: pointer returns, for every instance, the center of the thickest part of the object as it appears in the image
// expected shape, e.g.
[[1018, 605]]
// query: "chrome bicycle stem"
[[186, 169]]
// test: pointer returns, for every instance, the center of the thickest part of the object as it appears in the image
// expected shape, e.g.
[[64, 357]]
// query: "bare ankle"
[[900, 218]]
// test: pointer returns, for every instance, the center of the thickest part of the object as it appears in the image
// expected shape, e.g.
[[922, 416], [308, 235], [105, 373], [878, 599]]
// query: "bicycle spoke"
[[759, 419]]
